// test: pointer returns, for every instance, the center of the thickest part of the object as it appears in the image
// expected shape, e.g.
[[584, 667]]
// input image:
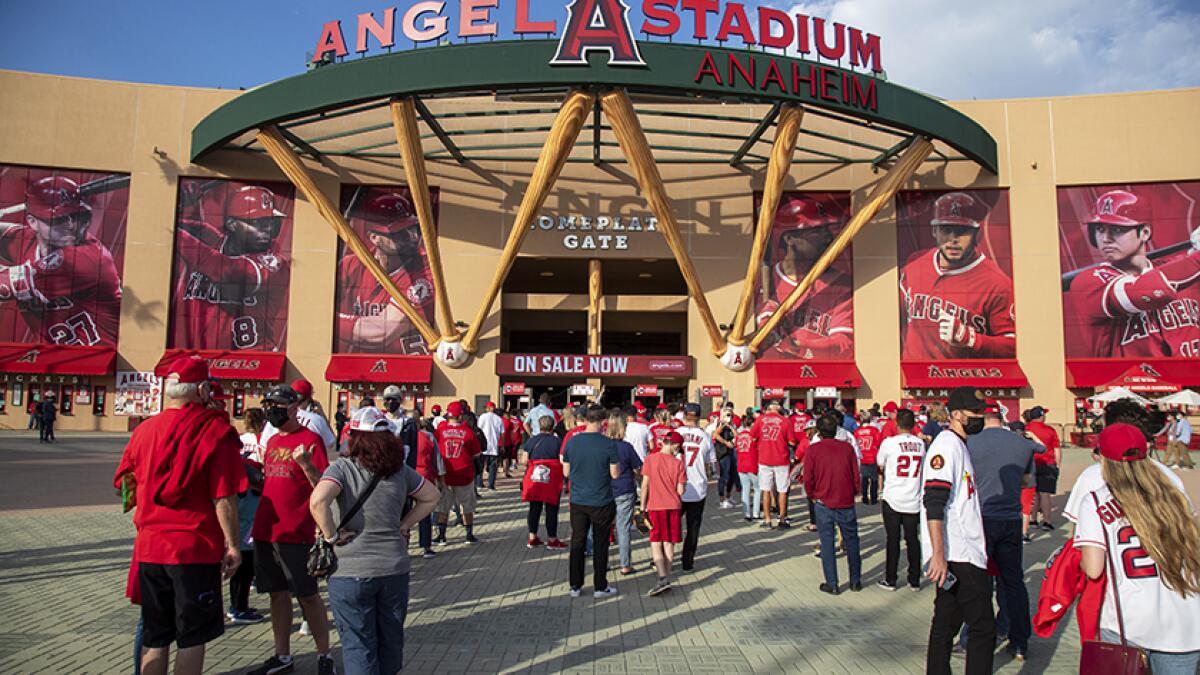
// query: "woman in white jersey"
[[1144, 519]]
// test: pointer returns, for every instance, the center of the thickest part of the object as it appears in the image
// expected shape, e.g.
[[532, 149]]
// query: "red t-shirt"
[[774, 434], [747, 451], [1047, 436], [889, 429], [190, 532], [658, 432], [458, 446], [665, 473], [283, 516], [426, 456], [800, 424], [567, 436], [868, 438]]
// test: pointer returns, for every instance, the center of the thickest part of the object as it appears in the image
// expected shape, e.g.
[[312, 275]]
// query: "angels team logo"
[[30, 356], [50, 262], [267, 202], [597, 25], [807, 371], [1106, 206], [269, 260], [936, 462], [380, 366], [1149, 370], [420, 292]]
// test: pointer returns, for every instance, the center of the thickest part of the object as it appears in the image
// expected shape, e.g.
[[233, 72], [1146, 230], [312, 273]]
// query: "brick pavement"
[[751, 606]]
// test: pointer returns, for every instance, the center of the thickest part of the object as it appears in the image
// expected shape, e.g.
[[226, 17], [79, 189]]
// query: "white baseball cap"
[[392, 391], [369, 419]]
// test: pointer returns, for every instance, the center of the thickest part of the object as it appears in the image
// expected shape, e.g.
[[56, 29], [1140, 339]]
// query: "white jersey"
[[698, 454], [252, 449], [847, 437], [638, 435], [1090, 480], [1156, 617], [437, 421], [492, 426], [948, 465], [312, 421], [899, 459]]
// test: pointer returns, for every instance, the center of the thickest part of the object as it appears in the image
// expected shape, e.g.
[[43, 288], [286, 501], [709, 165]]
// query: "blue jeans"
[[370, 613], [750, 484], [1161, 663], [491, 462], [847, 521], [728, 474], [625, 504], [425, 532]]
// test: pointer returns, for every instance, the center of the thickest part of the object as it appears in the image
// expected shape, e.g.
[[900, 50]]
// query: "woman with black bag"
[[365, 557]]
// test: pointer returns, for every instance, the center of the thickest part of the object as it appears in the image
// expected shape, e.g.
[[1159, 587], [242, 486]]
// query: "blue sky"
[[945, 47]]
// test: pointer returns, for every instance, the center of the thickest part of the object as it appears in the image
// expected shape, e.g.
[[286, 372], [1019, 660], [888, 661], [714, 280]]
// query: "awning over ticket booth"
[[381, 368], [802, 374], [1000, 373], [229, 364], [56, 359], [1136, 375]]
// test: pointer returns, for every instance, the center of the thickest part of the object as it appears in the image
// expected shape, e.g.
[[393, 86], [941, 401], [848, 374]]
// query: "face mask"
[[392, 405], [973, 426], [277, 417]]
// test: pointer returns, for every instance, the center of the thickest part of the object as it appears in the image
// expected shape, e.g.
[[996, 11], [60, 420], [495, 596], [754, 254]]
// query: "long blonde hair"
[[616, 426], [1162, 518]]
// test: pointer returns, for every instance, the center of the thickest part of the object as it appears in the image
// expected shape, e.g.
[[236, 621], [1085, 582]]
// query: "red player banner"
[[233, 254], [62, 251], [820, 325], [368, 320], [1130, 257]]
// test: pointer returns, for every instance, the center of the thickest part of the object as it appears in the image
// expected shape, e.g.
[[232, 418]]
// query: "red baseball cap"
[[454, 409], [217, 391], [992, 406], [252, 202], [436, 409], [661, 406], [303, 387], [189, 370], [958, 208], [674, 438], [388, 213], [54, 197], [890, 407], [638, 405], [490, 404], [1122, 443]]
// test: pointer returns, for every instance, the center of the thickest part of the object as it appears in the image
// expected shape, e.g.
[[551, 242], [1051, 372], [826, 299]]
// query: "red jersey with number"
[[361, 296], [283, 515], [68, 296], [979, 294], [868, 438], [821, 323], [747, 451], [657, 433], [225, 301], [774, 435], [458, 446], [800, 424]]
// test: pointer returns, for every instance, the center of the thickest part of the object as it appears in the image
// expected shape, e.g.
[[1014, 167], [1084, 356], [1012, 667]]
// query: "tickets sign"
[[593, 365], [645, 390], [712, 391], [514, 388]]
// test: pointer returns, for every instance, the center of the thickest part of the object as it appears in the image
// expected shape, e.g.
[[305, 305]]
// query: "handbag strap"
[[1112, 574], [358, 504]]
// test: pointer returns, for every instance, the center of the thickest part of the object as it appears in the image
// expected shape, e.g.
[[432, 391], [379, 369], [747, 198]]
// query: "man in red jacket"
[[831, 478]]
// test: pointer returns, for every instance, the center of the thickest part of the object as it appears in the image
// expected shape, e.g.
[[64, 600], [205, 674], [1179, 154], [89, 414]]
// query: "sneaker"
[[230, 614], [533, 543], [606, 593], [471, 539], [325, 666], [748, 519], [785, 523], [428, 554], [817, 552], [247, 616], [959, 650], [915, 588], [1047, 526], [556, 544], [274, 665], [1017, 653], [661, 587], [830, 589], [304, 628], [1027, 539], [886, 586], [439, 541], [766, 525], [575, 592]]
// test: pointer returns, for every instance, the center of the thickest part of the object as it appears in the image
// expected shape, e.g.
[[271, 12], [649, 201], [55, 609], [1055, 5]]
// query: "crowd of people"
[[292, 501]]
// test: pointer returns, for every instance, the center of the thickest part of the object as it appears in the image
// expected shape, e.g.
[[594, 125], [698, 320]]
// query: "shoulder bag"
[[322, 561], [1106, 657]]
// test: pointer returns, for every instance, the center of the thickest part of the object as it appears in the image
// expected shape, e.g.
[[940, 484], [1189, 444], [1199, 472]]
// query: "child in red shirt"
[[663, 481]]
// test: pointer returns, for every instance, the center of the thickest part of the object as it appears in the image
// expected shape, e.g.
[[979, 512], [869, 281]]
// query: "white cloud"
[[962, 50]]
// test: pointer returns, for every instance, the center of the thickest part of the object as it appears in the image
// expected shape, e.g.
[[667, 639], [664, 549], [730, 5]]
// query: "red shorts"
[[1027, 496], [666, 526]]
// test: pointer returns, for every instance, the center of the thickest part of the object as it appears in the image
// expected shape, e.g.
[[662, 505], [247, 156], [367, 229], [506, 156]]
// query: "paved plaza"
[[751, 605]]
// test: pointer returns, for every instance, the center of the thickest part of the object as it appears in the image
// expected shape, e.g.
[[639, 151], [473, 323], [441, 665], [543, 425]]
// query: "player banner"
[[1130, 258], [956, 288], [820, 325], [233, 252], [62, 252], [368, 320]]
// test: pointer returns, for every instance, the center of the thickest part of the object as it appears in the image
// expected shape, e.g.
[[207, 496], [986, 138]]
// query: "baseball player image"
[[231, 281], [958, 303], [368, 319], [61, 279], [1130, 305], [821, 324]]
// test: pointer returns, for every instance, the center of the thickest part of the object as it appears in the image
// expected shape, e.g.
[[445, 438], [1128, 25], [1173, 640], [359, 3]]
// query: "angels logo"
[[267, 202], [1106, 206], [420, 292], [955, 209], [50, 262], [807, 371], [30, 356], [1149, 370], [269, 261], [597, 25], [380, 366]]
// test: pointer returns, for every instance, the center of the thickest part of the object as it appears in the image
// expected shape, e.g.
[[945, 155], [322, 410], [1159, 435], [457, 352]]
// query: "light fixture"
[[644, 275], [547, 274]]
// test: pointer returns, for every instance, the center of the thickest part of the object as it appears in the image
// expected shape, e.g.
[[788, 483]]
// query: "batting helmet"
[[803, 213], [958, 208], [1120, 208], [251, 202], [389, 213], [54, 197]]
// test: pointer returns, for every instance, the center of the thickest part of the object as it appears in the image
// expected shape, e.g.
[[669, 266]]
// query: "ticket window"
[[18, 397], [343, 401], [67, 405], [98, 396]]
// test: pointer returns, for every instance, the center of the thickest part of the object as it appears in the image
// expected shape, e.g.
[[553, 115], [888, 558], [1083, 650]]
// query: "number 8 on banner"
[[245, 332]]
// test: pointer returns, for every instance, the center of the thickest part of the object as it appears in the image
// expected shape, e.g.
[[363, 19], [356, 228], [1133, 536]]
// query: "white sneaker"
[[575, 592], [608, 592], [304, 628]]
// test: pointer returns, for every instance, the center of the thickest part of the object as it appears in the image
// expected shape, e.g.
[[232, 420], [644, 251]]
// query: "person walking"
[[625, 488], [1047, 463], [284, 530], [1179, 438], [428, 463], [775, 437], [309, 415], [591, 463], [48, 414], [1003, 464], [542, 485], [664, 481], [869, 437], [831, 477], [492, 426], [637, 432], [899, 462], [186, 474], [35, 417], [723, 432], [340, 419], [700, 463], [458, 446], [240, 611], [369, 589], [747, 466], [953, 544]]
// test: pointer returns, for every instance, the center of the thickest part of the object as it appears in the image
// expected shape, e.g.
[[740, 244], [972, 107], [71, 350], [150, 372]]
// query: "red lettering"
[[597, 25], [660, 11], [383, 33], [331, 40], [524, 25], [700, 10], [709, 67], [828, 81], [865, 53], [811, 79], [864, 99], [835, 52], [735, 64], [768, 18], [773, 75], [735, 13], [472, 11], [802, 33]]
